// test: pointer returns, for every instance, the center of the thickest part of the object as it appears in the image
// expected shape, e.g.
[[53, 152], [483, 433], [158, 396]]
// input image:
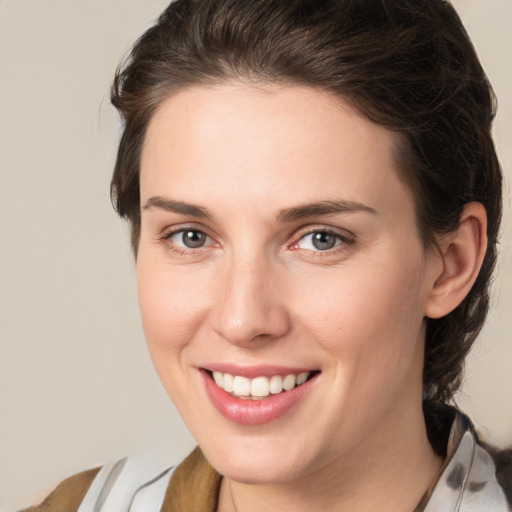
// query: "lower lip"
[[254, 412]]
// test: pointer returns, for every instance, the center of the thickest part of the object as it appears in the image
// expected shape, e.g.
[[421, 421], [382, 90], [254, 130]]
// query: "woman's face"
[[278, 244]]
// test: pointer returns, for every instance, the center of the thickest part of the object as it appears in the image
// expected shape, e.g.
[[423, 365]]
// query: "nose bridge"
[[250, 309]]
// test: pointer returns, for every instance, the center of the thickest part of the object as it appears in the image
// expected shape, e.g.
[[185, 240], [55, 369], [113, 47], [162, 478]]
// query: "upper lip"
[[259, 370]]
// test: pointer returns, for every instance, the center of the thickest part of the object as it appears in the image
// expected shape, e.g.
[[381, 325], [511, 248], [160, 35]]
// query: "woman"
[[314, 199]]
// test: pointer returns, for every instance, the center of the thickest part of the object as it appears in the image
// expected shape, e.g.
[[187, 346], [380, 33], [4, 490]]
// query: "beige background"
[[76, 385]]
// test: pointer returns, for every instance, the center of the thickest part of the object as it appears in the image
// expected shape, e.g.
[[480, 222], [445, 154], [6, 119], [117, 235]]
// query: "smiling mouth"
[[259, 388]]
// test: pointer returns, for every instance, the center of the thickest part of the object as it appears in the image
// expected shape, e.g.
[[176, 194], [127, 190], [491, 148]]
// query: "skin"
[[259, 292]]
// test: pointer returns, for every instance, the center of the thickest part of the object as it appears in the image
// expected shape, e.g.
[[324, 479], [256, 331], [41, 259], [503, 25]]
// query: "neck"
[[389, 473]]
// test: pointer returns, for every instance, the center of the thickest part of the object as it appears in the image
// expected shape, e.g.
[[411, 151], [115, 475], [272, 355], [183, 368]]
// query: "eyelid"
[[170, 231], [185, 230], [174, 231], [346, 237], [167, 234]]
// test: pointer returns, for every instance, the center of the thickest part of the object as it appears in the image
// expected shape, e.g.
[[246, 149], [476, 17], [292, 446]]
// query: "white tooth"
[[219, 379], [260, 386], [289, 382], [241, 386], [302, 377], [276, 384], [228, 382]]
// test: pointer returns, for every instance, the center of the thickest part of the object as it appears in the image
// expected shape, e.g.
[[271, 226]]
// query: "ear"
[[461, 252]]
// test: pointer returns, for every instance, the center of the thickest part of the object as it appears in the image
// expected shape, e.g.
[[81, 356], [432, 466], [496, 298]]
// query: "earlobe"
[[462, 252]]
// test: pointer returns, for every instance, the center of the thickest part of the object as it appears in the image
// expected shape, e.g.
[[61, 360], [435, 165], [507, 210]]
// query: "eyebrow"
[[322, 208], [292, 214], [170, 205]]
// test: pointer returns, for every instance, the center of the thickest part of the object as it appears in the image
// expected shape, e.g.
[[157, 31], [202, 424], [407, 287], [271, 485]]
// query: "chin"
[[248, 471], [258, 462]]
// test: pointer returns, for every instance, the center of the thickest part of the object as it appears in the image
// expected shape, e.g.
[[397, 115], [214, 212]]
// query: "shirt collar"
[[466, 482]]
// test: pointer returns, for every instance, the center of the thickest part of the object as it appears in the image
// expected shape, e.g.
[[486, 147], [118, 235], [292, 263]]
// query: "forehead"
[[264, 140]]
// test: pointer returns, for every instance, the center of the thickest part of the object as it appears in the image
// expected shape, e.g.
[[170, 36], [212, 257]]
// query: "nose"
[[250, 308]]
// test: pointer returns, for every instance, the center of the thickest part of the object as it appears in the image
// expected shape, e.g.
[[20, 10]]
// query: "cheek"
[[370, 318], [172, 311], [171, 305]]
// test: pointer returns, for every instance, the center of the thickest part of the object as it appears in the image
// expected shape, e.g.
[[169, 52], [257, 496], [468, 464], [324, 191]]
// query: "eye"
[[320, 241], [189, 239]]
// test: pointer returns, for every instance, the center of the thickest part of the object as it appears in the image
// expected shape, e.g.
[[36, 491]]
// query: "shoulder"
[[68, 494], [113, 487], [503, 462], [475, 474]]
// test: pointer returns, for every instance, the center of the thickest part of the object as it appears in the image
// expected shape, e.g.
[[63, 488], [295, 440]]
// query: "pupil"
[[323, 241], [193, 239]]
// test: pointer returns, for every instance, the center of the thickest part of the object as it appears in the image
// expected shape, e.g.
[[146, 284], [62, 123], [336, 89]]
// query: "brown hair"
[[407, 65]]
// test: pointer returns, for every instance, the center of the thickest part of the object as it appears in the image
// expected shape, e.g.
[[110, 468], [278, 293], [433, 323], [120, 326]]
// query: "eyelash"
[[344, 241], [181, 251]]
